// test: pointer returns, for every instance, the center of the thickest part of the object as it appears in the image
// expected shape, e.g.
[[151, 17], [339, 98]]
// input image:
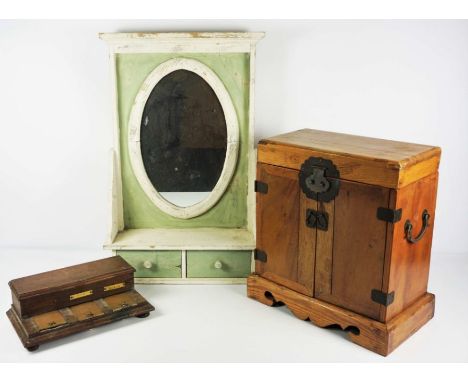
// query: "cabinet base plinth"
[[379, 337]]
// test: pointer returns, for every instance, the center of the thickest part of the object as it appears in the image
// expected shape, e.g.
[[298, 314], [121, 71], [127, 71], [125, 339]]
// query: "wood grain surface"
[[324, 253], [355, 248], [306, 265], [76, 274], [69, 286], [374, 161], [278, 226], [407, 264]]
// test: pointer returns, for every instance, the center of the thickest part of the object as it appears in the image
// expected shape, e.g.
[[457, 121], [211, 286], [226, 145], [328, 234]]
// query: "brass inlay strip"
[[81, 294], [113, 287]]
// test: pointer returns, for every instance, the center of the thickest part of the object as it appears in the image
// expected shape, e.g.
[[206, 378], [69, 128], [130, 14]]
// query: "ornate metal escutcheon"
[[319, 179]]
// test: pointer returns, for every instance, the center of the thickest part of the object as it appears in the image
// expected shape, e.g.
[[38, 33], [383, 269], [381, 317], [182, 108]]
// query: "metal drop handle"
[[409, 228]]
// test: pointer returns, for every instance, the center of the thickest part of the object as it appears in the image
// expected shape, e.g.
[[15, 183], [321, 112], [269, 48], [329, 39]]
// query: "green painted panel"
[[233, 263], [162, 263], [231, 210]]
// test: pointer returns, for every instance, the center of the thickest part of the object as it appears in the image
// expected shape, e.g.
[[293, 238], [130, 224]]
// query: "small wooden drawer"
[[218, 263], [160, 264]]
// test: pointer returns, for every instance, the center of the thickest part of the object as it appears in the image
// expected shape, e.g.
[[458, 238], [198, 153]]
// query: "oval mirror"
[[183, 137]]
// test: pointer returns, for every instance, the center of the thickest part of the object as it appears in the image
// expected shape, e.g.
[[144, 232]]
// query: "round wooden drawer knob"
[[147, 264], [218, 264]]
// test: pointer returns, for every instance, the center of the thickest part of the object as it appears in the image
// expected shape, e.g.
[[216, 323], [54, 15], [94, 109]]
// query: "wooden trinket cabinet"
[[51, 305], [344, 232]]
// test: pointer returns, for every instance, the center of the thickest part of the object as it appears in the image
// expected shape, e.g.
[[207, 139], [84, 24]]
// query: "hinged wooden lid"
[[76, 275], [374, 161]]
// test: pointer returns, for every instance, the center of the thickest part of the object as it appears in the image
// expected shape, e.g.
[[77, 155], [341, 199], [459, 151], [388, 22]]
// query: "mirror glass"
[[183, 138]]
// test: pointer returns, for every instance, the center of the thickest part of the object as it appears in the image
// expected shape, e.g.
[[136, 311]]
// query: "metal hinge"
[[261, 187], [260, 255], [388, 215], [382, 298]]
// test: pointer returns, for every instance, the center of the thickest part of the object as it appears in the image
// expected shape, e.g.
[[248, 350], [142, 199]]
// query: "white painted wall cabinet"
[[183, 162]]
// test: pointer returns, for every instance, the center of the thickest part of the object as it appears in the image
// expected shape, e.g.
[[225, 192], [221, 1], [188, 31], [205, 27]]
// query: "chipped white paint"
[[194, 281], [183, 239], [117, 212], [181, 42], [134, 145], [183, 268], [115, 199], [252, 164]]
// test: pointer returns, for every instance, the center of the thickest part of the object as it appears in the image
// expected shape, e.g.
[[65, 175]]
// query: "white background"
[[402, 80]]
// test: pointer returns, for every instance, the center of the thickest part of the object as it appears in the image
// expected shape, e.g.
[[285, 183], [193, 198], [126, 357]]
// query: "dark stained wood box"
[[70, 286], [59, 303], [347, 220]]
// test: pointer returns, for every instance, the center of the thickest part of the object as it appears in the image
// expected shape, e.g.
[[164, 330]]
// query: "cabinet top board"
[[157, 42], [75, 275], [374, 161], [184, 35]]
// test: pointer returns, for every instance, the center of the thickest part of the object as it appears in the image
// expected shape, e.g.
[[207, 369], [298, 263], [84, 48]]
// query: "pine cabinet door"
[[278, 218], [350, 254]]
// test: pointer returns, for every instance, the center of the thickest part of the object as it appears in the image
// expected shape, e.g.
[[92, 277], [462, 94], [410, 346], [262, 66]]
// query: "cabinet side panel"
[[408, 266], [277, 225]]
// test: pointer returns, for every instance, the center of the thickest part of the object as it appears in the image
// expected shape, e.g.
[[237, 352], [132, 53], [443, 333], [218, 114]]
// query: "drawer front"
[[218, 263], [160, 264]]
